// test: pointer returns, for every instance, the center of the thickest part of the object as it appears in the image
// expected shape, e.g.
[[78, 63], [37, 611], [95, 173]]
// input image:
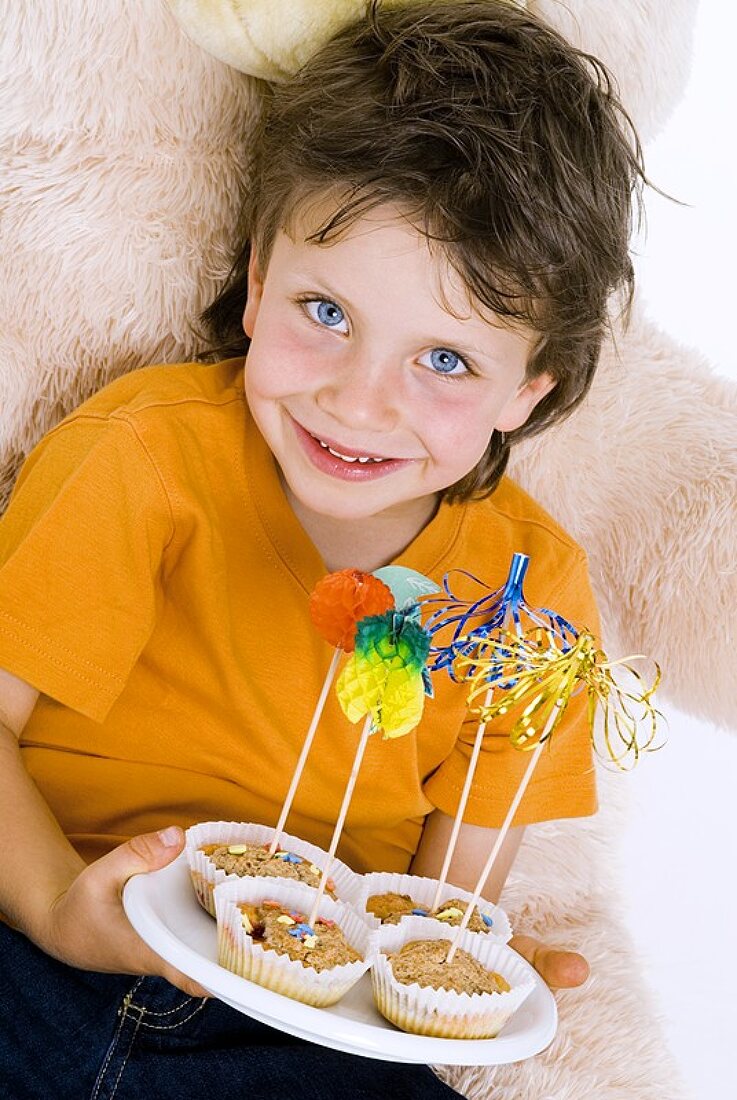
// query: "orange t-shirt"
[[153, 587]]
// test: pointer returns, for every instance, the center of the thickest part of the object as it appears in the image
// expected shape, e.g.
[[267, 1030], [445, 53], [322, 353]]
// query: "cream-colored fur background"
[[122, 153]]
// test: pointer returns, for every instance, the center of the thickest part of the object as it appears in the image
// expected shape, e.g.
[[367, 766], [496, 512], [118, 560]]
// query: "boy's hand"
[[560, 969], [87, 926]]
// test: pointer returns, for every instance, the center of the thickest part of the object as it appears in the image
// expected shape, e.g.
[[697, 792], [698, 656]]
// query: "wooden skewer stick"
[[461, 805], [365, 733], [502, 835], [317, 715]]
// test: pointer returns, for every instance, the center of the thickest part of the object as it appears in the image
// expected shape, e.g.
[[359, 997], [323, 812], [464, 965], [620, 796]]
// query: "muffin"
[[424, 962], [390, 908], [278, 928], [254, 859], [389, 898], [219, 850], [263, 936], [471, 998]]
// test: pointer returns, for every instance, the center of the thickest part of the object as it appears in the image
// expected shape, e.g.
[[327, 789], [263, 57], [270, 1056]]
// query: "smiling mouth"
[[336, 460], [363, 459]]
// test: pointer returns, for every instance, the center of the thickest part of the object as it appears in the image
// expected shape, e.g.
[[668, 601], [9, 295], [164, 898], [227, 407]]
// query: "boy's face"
[[373, 381]]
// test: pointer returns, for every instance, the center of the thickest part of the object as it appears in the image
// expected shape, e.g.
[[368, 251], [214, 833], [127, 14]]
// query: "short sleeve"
[[81, 546], [563, 784]]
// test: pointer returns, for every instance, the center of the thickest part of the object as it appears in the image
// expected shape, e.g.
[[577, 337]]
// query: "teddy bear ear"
[[270, 39]]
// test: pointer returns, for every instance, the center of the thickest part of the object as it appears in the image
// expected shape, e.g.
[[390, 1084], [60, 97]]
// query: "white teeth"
[[348, 458]]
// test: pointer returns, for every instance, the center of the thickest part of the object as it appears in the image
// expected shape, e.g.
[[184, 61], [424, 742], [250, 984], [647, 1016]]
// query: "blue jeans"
[[68, 1034]]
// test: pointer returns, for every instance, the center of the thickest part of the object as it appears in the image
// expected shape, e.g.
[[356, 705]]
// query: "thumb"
[[559, 969], [147, 852]]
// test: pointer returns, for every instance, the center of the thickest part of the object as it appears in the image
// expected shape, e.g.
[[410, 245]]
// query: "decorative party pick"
[[458, 627], [340, 600], [539, 673], [407, 585], [383, 677], [337, 603], [535, 671], [383, 681]]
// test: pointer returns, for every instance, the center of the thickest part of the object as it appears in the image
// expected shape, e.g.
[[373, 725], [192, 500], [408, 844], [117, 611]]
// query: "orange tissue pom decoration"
[[340, 599]]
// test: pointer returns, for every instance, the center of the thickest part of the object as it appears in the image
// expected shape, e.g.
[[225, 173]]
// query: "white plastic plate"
[[164, 911]]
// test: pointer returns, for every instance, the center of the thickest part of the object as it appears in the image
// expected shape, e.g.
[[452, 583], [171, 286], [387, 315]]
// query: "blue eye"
[[325, 312], [445, 361]]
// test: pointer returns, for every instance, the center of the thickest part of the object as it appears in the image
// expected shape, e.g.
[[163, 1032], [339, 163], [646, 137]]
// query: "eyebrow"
[[464, 349], [321, 288]]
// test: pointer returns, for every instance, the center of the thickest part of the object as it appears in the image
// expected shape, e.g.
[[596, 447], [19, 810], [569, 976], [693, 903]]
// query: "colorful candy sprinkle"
[[245, 923], [487, 920], [237, 849], [315, 870], [420, 912], [309, 942], [284, 919], [449, 914]]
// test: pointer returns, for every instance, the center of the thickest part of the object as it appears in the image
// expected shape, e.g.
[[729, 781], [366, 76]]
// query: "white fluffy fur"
[[122, 149], [644, 476]]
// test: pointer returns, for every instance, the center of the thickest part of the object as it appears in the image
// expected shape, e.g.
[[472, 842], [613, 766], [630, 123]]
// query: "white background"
[[680, 851]]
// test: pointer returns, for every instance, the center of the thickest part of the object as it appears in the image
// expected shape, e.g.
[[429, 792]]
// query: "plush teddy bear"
[[123, 147]]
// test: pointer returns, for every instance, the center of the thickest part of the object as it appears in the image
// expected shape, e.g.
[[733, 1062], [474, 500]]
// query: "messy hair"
[[502, 143]]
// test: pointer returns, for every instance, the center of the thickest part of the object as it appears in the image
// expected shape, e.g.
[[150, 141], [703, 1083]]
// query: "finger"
[[181, 981], [147, 852], [559, 969]]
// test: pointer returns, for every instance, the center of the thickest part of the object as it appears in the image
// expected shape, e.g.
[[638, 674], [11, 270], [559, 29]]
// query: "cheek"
[[281, 361], [457, 430]]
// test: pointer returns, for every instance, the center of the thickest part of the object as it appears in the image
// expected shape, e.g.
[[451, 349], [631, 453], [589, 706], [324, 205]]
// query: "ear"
[[517, 410], [255, 293]]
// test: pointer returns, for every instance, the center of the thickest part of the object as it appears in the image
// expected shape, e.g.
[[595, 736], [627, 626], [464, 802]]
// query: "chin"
[[347, 510]]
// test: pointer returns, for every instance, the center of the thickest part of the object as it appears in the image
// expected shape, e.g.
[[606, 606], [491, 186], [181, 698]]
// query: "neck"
[[366, 543]]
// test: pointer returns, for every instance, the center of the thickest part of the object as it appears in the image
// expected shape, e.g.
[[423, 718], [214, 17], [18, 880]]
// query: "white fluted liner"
[[238, 952], [444, 1013], [422, 890], [206, 876]]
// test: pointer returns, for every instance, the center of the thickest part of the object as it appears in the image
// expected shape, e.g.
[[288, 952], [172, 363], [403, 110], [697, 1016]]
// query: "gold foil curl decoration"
[[535, 673]]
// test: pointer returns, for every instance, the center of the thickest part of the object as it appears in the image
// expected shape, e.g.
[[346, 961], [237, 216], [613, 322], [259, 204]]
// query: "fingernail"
[[170, 837]]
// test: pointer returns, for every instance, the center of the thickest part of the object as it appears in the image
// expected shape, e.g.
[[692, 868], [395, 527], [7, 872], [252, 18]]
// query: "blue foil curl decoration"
[[452, 623]]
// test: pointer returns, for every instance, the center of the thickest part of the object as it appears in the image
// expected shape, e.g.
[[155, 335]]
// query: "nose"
[[363, 395]]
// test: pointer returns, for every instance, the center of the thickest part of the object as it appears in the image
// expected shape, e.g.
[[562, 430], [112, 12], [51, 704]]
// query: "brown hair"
[[504, 144]]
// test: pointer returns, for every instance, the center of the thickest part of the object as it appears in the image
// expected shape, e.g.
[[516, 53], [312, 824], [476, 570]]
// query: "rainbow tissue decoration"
[[340, 600], [386, 676]]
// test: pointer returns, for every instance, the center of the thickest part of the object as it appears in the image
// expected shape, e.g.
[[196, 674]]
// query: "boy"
[[438, 215]]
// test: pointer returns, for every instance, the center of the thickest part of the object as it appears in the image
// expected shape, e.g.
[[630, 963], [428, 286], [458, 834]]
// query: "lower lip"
[[327, 463]]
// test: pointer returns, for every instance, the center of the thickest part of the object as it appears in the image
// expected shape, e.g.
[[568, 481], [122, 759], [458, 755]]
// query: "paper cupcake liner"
[[444, 1013], [422, 890], [238, 952], [206, 876]]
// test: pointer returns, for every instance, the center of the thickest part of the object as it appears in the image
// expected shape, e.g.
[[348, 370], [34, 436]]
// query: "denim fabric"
[[68, 1034]]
